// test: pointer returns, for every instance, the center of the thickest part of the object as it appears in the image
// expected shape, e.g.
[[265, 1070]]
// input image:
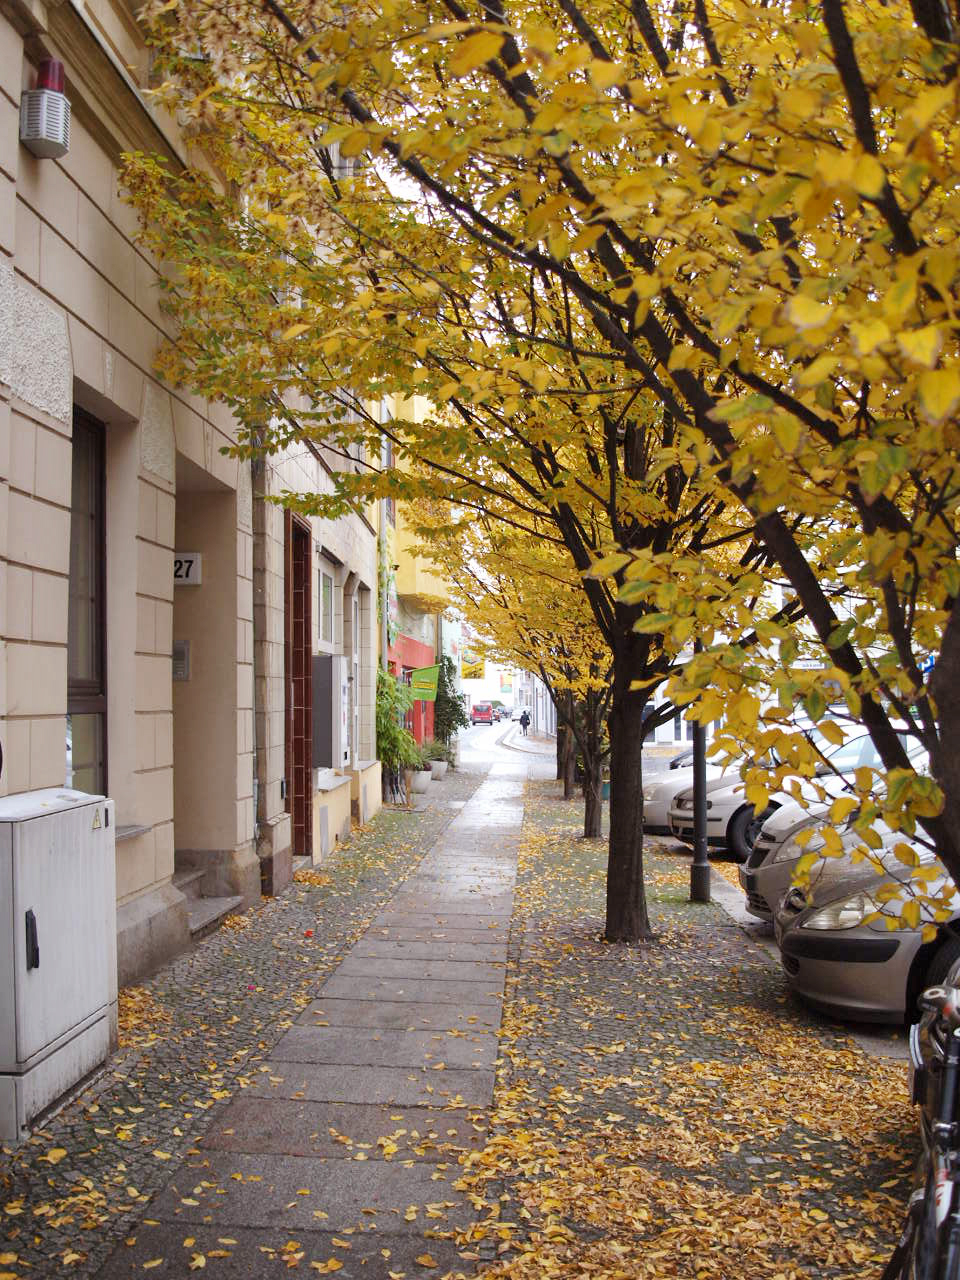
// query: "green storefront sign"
[[423, 682]]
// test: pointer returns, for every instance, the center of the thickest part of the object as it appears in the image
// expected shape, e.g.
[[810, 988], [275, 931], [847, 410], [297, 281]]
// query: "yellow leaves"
[[867, 335], [817, 371], [331, 1264], [910, 913], [425, 1260], [548, 117], [939, 393], [806, 313], [606, 74], [197, 1262], [869, 177], [607, 566], [788, 432], [929, 103], [922, 346], [53, 1156], [842, 807], [294, 332], [474, 51], [757, 795]]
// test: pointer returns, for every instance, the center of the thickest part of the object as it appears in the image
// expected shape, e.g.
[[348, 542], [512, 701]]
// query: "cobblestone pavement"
[[207, 1024], [669, 1110]]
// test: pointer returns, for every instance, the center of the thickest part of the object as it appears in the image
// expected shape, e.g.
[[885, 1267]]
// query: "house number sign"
[[187, 568]]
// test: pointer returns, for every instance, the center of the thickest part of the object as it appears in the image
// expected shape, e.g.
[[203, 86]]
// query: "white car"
[[660, 792], [767, 873], [731, 821]]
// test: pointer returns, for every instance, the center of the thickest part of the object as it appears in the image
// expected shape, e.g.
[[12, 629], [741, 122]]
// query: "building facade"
[[315, 595], [126, 536]]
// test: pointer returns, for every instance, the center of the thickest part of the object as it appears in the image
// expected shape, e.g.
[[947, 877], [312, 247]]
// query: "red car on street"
[[481, 713]]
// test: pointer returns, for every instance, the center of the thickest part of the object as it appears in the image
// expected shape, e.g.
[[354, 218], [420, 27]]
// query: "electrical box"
[[331, 711], [58, 948]]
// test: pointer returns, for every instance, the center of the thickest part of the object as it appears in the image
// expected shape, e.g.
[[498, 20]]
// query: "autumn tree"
[[548, 445], [522, 597], [749, 216]]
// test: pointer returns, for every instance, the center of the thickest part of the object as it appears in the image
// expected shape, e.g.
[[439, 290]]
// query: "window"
[[325, 592], [86, 626], [386, 463]]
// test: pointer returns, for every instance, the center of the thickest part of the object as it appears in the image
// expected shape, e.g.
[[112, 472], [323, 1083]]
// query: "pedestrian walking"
[[525, 721]]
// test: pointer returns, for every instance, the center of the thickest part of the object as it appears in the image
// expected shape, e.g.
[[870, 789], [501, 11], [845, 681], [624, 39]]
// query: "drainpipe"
[[382, 576]]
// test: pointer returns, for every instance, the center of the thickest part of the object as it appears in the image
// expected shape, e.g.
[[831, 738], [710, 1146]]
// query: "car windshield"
[[860, 752]]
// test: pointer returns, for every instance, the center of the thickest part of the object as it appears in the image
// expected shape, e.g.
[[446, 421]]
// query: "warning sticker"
[[97, 824]]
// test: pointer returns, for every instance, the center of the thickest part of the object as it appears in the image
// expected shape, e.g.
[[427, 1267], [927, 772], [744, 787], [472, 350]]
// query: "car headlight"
[[649, 793], [845, 914], [790, 850]]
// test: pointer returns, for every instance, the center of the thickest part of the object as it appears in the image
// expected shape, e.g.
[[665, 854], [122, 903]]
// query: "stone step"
[[188, 882], [205, 914]]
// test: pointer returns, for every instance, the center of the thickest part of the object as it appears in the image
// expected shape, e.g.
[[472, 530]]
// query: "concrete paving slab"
[[410, 967], [268, 1191], [465, 994], [405, 1086], [258, 1252], [432, 949], [483, 937], [397, 918], [491, 906], [400, 1015], [351, 1046], [284, 1126]]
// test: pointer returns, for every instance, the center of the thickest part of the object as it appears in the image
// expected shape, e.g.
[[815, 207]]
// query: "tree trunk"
[[561, 740], [627, 919], [592, 799], [569, 767]]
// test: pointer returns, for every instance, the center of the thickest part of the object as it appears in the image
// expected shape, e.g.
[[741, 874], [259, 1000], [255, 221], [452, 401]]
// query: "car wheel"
[[944, 959], [742, 832]]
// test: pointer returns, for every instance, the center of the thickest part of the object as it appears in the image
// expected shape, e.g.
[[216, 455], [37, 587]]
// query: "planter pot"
[[438, 768], [420, 780]]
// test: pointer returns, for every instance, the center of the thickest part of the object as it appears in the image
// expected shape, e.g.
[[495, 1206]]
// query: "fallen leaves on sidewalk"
[[666, 1111]]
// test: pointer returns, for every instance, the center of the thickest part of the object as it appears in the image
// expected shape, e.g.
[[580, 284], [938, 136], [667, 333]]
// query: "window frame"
[[89, 696]]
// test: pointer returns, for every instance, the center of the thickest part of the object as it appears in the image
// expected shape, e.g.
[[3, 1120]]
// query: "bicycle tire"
[[925, 1254]]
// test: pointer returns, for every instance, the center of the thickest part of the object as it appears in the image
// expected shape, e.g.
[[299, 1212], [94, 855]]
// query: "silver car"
[[768, 871], [845, 965]]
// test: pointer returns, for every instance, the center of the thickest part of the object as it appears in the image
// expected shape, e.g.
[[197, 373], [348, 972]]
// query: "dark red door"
[[299, 692]]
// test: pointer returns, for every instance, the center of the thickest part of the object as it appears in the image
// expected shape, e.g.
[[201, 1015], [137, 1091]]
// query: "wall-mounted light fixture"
[[45, 113]]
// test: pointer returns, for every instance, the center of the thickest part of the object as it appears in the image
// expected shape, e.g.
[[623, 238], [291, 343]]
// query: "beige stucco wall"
[[348, 547], [80, 323]]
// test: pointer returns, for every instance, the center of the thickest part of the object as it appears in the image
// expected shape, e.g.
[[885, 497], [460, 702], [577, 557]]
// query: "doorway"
[[298, 560]]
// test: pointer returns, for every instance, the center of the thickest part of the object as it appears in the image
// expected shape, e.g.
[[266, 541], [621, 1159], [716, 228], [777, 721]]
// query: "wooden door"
[[299, 691]]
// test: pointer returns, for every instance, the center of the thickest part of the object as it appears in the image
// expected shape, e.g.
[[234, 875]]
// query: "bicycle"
[[929, 1245]]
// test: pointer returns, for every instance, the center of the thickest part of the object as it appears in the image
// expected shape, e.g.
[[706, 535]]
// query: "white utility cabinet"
[[58, 947]]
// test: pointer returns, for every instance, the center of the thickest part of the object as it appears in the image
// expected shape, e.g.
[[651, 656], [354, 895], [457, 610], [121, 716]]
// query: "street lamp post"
[[700, 867]]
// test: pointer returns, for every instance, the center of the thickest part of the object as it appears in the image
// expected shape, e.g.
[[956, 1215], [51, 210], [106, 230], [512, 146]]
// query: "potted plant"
[[436, 756], [396, 747], [420, 775]]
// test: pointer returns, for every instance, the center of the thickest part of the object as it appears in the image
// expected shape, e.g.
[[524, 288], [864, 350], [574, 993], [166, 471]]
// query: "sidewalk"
[[328, 1085]]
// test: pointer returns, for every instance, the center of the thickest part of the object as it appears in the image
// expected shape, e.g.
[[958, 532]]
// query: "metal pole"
[[700, 867]]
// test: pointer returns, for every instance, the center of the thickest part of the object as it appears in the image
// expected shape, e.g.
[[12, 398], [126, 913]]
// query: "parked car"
[[768, 871], [731, 821], [481, 713], [660, 792], [682, 759], [843, 964]]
